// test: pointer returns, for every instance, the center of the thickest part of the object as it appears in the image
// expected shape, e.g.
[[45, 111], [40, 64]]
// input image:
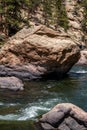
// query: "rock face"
[[39, 51], [65, 116], [11, 83], [83, 59], [75, 14]]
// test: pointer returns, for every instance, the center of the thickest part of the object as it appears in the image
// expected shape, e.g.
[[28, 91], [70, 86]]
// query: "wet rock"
[[11, 83], [65, 116], [41, 50]]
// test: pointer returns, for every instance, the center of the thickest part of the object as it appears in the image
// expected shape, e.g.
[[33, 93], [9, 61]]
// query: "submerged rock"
[[11, 83], [37, 52], [65, 116]]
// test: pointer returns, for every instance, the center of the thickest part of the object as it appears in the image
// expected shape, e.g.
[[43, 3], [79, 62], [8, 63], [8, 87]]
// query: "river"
[[19, 109]]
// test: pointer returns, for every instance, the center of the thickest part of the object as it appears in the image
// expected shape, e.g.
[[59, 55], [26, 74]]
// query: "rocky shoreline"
[[38, 52]]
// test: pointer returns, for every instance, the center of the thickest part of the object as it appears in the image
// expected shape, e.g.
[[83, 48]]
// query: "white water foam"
[[1, 103], [8, 104], [26, 114], [42, 107], [80, 72], [31, 110], [8, 117]]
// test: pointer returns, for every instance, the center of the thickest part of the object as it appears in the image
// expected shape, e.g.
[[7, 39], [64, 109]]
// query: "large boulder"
[[64, 116], [38, 51]]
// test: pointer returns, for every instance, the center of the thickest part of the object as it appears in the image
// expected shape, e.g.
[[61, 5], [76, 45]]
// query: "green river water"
[[18, 110]]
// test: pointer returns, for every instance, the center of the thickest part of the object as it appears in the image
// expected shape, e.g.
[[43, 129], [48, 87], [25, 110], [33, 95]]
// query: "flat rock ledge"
[[38, 51], [64, 116], [11, 83]]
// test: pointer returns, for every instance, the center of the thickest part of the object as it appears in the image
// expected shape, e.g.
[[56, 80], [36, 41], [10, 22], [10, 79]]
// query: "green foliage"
[[11, 12], [17, 125], [84, 22], [61, 14], [2, 37], [2, 40], [54, 13], [32, 4], [47, 12]]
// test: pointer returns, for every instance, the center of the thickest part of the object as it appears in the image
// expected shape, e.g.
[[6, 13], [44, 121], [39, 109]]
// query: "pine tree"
[[84, 22], [47, 12], [11, 15], [61, 15]]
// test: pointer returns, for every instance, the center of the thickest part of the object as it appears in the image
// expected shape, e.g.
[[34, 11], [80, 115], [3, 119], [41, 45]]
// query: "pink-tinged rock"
[[11, 83], [83, 59], [65, 116]]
